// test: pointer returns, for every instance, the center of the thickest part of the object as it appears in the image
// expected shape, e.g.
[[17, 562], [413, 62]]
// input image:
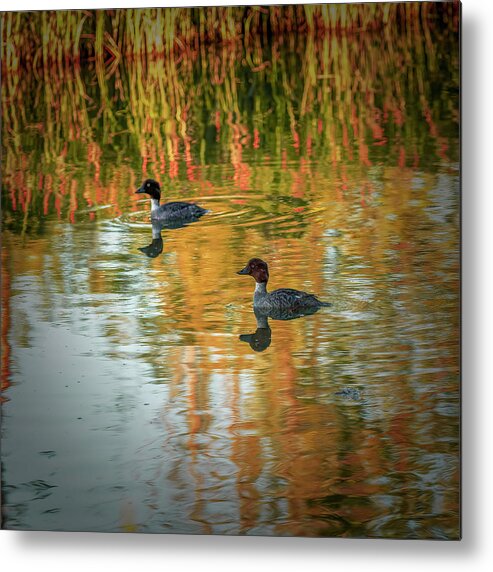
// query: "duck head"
[[150, 187], [258, 269]]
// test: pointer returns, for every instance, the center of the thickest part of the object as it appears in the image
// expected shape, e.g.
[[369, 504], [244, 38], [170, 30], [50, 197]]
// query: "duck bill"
[[140, 191], [244, 271]]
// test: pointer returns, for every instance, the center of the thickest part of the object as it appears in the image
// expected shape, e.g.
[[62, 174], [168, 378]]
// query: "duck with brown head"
[[175, 211], [282, 298]]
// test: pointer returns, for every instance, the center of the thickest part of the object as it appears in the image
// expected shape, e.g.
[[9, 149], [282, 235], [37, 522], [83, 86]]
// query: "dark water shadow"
[[470, 281]]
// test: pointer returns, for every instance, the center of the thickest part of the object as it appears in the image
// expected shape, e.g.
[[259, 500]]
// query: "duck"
[[177, 211], [281, 299]]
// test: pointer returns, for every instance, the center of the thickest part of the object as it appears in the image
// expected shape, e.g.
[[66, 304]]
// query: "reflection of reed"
[[171, 87]]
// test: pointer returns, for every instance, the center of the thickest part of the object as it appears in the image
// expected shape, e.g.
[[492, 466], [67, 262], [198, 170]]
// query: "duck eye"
[[148, 184]]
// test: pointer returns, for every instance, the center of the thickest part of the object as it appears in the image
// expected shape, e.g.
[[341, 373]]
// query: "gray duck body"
[[176, 211], [284, 298]]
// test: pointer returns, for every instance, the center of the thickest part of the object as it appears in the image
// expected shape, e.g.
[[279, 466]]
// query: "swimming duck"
[[283, 298], [175, 211]]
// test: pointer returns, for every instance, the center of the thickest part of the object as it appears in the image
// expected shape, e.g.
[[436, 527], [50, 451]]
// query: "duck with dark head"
[[169, 212], [281, 299]]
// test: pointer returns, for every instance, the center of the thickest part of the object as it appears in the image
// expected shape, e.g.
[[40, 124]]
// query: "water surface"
[[130, 403]]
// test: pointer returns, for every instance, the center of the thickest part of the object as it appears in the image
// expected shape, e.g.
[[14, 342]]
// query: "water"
[[130, 402]]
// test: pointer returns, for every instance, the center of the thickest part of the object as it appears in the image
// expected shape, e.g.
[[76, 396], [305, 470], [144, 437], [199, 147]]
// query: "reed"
[[71, 35]]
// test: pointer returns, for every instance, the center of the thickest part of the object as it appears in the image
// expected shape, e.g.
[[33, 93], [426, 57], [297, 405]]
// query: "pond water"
[[134, 398]]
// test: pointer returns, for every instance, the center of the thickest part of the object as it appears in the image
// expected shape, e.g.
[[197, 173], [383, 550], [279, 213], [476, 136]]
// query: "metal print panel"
[[230, 270]]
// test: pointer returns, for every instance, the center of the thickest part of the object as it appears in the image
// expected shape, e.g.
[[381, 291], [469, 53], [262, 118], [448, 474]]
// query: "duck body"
[[284, 298], [278, 301], [174, 212]]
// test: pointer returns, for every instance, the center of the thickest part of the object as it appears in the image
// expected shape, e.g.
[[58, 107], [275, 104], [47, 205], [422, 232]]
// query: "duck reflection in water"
[[156, 246], [260, 340]]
